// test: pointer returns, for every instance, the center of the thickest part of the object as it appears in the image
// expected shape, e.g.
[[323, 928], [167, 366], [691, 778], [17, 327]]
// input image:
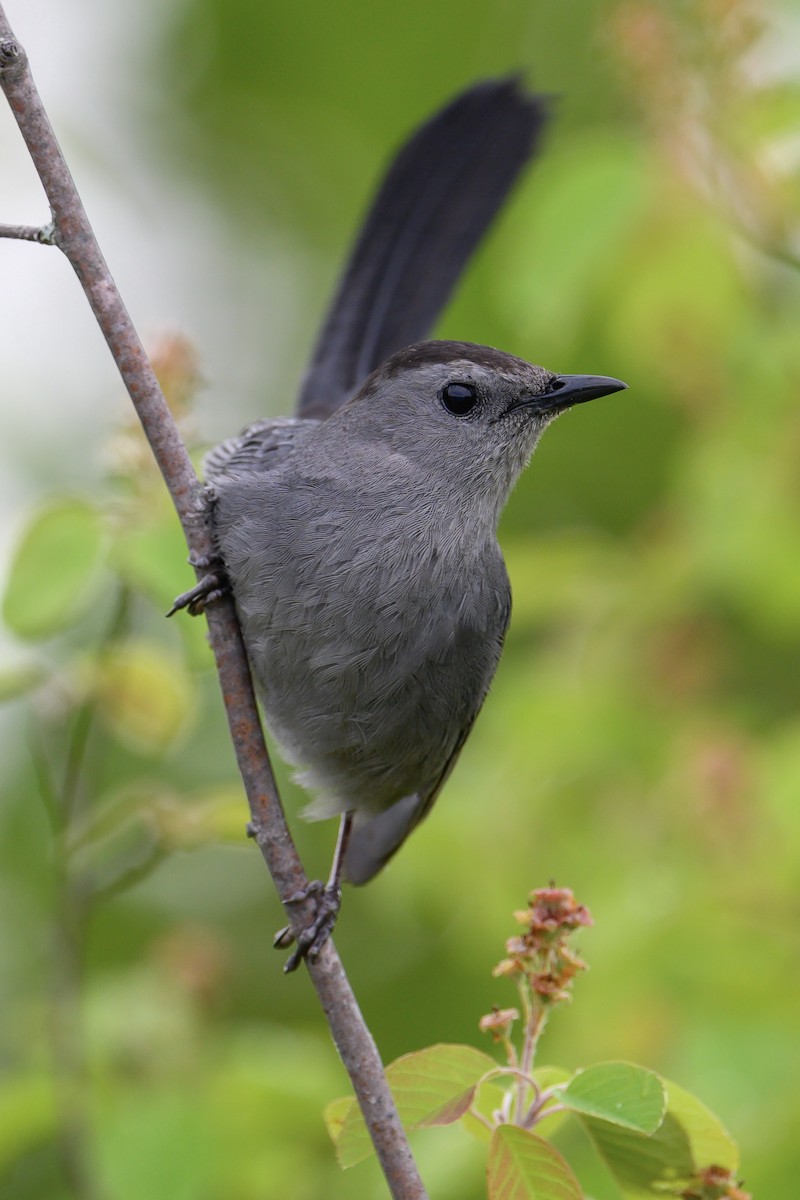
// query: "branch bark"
[[73, 235]]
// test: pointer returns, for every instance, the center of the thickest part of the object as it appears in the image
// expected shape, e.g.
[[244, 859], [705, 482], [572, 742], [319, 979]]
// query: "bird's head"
[[470, 416]]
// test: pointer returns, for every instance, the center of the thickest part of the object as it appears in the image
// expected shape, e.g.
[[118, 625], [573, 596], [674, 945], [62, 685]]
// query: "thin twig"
[[43, 234], [525, 1008], [74, 236], [537, 1113], [533, 1031], [515, 1072]]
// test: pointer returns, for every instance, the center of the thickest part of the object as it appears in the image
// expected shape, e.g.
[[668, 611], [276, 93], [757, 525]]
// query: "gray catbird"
[[359, 538]]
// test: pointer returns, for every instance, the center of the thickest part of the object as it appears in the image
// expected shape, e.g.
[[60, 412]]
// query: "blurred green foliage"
[[642, 740]]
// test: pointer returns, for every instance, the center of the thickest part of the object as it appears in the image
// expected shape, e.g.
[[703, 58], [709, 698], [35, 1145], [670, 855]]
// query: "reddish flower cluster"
[[715, 1183], [541, 952], [498, 1022], [552, 911]]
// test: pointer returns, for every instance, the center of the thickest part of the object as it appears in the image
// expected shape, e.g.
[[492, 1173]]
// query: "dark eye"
[[459, 398]]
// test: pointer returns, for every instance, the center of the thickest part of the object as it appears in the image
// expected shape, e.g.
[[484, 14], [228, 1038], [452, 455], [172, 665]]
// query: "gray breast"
[[373, 646]]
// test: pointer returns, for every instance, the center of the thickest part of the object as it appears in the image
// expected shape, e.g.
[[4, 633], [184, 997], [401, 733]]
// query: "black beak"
[[565, 390]]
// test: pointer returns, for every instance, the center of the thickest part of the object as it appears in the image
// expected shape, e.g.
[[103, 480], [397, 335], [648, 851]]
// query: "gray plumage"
[[370, 587], [359, 538]]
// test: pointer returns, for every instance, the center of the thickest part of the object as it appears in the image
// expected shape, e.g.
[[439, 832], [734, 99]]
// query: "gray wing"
[[373, 843], [260, 447]]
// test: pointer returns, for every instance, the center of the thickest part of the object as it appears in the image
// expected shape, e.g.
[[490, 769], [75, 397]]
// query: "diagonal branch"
[[73, 234]]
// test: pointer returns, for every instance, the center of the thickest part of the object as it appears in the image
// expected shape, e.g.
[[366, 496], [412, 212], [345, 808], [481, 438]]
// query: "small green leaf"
[[522, 1166], [434, 1086], [145, 694], [55, 569], [151, 557], [347, 1131], [708, 1138], [335, 1114], [215, 815], [618, 1092], [127, 835], [177, 822], [689, 1138]]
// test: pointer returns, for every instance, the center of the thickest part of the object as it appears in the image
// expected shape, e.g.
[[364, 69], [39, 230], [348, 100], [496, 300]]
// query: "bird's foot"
[[310, 940], [212, 586]]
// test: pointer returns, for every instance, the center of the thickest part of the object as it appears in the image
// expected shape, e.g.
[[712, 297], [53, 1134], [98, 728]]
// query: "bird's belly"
[[371, 707]]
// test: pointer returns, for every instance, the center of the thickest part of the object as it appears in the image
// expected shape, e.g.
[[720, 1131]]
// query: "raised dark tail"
[[439, 196]]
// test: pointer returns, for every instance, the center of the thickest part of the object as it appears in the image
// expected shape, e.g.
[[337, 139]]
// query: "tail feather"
[[374, 842], [439, 196]]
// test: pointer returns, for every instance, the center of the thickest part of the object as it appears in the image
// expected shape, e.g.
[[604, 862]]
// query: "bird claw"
[[212, 586], [310, 940]]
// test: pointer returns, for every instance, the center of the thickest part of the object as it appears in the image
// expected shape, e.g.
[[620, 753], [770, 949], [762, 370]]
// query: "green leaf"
[[689, 1138], [618, 1092], [434, 1086], [151, 557], [336, 1115], [55, 570], [145, 695], [347, 1131], [522, 1166], [123, 838], [132, 817]]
